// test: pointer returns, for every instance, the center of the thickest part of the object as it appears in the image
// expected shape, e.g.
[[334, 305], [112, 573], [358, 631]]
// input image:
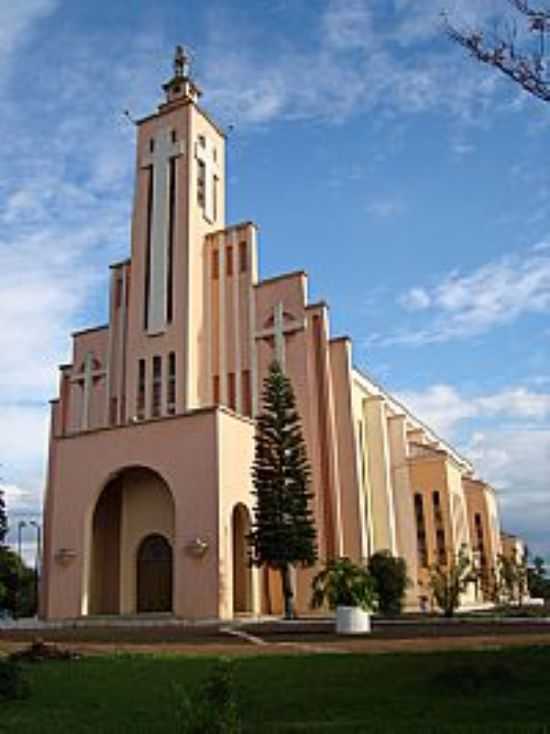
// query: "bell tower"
[[179, 199]]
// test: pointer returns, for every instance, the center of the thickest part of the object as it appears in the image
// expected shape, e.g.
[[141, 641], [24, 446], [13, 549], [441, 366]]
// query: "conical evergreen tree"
[[283, 533], [3, 520]]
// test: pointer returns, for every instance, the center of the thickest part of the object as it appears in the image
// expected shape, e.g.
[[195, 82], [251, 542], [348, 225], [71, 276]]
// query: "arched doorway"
[[135, 504], [242, 572], [154, 575]]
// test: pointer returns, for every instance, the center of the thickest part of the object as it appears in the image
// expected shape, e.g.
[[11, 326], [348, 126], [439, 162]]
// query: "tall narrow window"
[[141, 390], [171, 384], [420, 530], [441, 548], [215, 264], [438, 516], [201, 183], [229, 260], [171, 232], [148, 236], [247, 393], [243, 260], [231, 391], [157, 386]]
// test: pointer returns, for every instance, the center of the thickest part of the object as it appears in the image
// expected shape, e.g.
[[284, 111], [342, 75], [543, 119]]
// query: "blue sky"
[[409, 182]]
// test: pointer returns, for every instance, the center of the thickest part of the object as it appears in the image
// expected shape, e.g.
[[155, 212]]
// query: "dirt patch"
[[342, 645]]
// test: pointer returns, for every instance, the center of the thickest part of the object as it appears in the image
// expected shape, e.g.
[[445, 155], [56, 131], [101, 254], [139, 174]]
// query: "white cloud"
[[17, 21], [443, 407], [416, 299], [508, 441], [356, 63], [466, 305], [348, 24]]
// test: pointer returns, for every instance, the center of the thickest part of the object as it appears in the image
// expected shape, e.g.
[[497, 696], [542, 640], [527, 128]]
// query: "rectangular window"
[[229, 261], [247, 393], [215, 265], [171, 384], [243, 257], [157, 386], [441, 549], [438, 515], [201, 183], [231, 391], [141, 390], [420, 531], [216, 390]]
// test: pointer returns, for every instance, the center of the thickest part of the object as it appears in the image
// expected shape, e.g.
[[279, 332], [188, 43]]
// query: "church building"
[[148, 500]]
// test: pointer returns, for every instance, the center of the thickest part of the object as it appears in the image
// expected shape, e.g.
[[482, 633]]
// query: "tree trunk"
[[288, 592]]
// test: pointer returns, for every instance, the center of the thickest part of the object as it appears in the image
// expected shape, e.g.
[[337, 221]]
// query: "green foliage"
[[537, 580], [213, 708], [343, 583], [511, 579], [390, 581], [448, 583], [12, 682], [3, 520], [283, 532], [17, 585]]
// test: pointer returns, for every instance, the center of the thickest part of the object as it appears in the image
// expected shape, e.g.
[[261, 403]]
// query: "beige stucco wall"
[[185, 451]]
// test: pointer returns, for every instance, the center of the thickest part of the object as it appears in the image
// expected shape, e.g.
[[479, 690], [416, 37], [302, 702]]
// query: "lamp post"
[[37, 560], [20, 525]]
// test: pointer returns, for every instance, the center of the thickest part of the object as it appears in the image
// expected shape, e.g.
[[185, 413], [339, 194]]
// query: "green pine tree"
[[3, 520], [283, 533]]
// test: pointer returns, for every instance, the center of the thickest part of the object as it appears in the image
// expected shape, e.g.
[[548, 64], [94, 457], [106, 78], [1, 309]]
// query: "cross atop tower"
[[181, 86], [182, 63]]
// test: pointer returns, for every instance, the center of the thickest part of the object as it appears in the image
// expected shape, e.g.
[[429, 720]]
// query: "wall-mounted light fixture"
[[65, 555], [197, 547]]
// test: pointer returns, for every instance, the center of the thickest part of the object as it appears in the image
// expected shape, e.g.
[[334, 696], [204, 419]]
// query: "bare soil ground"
[[281, 638]]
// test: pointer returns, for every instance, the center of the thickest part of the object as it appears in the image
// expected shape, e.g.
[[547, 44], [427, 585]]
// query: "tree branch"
[[529, 70]]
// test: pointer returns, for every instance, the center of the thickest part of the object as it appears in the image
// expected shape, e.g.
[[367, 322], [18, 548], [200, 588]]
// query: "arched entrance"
[[154, 575], [242, 572], [135, 506]]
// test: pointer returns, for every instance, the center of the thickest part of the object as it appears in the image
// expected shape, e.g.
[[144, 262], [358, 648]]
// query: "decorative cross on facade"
[[279, 331], [163, 150], [205, 152], [90, 372]]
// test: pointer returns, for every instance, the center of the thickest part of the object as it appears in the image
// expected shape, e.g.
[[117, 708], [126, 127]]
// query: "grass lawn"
[[466, 692]]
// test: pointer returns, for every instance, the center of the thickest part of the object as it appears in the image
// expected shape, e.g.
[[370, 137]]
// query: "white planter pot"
[[352, 621]]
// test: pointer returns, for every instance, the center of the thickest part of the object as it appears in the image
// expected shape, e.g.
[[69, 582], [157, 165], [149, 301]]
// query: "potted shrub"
[[349, 589]]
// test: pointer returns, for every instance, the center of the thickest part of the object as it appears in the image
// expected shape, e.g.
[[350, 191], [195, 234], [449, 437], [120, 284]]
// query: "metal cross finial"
[[181, 62]]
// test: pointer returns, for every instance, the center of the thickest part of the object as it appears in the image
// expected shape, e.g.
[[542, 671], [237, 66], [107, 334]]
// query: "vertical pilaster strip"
[[209, 294], [223, 335], [237, 319], [122, 335], [253, 270], [109, 365]]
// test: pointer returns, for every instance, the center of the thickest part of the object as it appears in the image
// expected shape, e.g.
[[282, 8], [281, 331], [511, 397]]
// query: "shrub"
[[449, 582], [390, 581], [213, 708], [12, 683], [343, 583]]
